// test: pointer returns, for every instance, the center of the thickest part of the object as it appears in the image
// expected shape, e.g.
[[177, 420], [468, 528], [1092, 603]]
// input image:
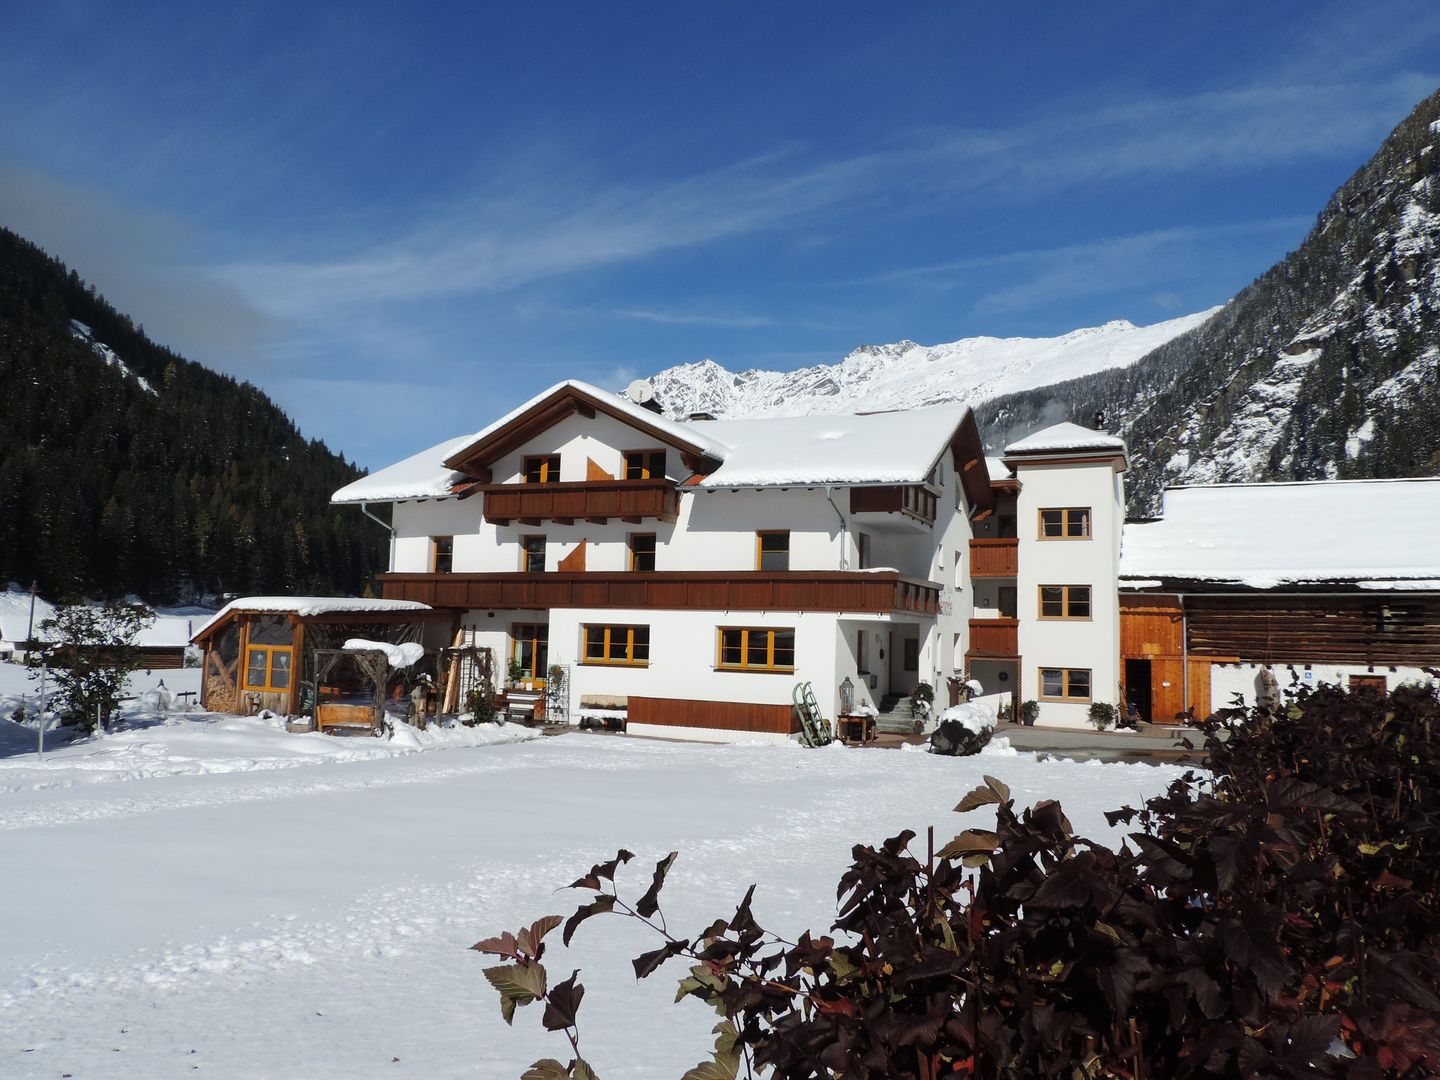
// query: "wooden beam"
[[597, 520]]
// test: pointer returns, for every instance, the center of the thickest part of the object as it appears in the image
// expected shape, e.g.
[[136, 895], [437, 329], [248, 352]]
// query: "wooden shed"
[[259, 650]]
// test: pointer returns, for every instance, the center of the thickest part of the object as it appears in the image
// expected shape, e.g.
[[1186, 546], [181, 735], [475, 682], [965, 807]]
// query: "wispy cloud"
[[694, 318], [529, 230], [1115, 264]]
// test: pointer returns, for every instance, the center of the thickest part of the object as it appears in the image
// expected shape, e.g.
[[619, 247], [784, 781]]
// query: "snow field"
[[315, 921]]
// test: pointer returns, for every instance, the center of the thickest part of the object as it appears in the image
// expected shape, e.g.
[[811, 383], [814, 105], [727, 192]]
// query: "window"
[[532, 554], [1064, 601], [745, 648], [542, 470], [862, 544], [1067, 523], [1064, 684], [1009, 601], [628, 645], [910, 660], [267, 667], [1005, 526], [644, 464], [530, 646], [772, 550], [442, 554], [642, 552]]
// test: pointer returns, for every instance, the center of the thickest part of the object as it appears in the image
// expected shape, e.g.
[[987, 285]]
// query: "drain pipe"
[[390, 558], [844, 529]]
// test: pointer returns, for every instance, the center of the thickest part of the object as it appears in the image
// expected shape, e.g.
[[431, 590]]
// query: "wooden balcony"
[[994, 558], [881, 592], [915, 501], [994, 637], [588, 500]]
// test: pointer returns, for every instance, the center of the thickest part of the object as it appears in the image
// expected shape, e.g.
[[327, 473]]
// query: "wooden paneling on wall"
[[1295, 628], [994, 557], [714, 715], [716, 590]]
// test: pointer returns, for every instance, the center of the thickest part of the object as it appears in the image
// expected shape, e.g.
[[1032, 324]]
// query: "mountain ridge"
[[906, 374]]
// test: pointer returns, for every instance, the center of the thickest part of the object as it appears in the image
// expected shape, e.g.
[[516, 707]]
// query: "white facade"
[[1041, 622], [1089, 644], [786, 481]]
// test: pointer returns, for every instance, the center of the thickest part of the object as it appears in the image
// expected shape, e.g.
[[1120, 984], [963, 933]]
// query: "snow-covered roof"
[[875, 448], [425, 475], [1065, 436], [420, 476], [15, 616], [308, 606], [165, 632], [997, 469], [1370, 533]]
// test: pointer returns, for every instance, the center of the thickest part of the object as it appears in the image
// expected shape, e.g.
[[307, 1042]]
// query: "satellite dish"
[[640, 391]]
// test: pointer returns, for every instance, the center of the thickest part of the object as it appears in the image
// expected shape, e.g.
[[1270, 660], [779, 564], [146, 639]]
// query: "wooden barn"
[[1241, 587], [260, 650]]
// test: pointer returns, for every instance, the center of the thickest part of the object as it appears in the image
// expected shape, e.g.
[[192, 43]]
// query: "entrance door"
[[1137, 687], [530, 647]]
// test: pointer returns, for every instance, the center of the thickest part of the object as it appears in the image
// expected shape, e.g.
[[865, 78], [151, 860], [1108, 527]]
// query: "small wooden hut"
[[260, 650]]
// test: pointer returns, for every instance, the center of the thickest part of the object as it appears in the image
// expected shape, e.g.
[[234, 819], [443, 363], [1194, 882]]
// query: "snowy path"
[[315, 921]]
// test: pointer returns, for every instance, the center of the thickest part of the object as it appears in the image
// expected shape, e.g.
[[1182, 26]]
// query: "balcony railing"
[[589, 500], [793, 590], [994, 558], [994, 637], [915, 501]]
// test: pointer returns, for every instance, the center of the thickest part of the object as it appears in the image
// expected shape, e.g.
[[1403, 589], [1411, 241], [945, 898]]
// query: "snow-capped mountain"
[[907, 375], [1327, 365]]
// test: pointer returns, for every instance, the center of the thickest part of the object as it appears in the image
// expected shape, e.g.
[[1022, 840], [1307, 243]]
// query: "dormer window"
[[544, 469], [644, 464]]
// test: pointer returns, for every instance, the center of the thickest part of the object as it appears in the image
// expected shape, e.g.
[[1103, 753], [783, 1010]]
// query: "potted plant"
[[1102, 715], [1029, 712], [516, 672], [921, 698]]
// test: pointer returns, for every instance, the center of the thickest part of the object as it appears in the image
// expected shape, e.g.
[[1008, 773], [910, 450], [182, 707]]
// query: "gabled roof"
[[561, 400], [1377, 534], [1065, 437], [435, 473], [792, 451]]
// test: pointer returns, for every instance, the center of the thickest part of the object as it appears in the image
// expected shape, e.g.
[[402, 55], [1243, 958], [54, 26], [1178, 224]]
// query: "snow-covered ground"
[[160, 736], [315, 921]]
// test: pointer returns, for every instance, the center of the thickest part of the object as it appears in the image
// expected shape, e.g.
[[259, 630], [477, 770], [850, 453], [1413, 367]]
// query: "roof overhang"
[[1019, 459], [967, 454]]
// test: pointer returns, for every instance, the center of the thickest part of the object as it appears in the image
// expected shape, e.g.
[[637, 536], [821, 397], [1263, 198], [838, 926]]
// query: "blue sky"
[[402, 219]]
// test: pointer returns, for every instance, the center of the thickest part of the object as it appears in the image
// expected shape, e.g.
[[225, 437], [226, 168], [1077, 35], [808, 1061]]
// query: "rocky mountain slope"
[[906, 375], [1327, 365]]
